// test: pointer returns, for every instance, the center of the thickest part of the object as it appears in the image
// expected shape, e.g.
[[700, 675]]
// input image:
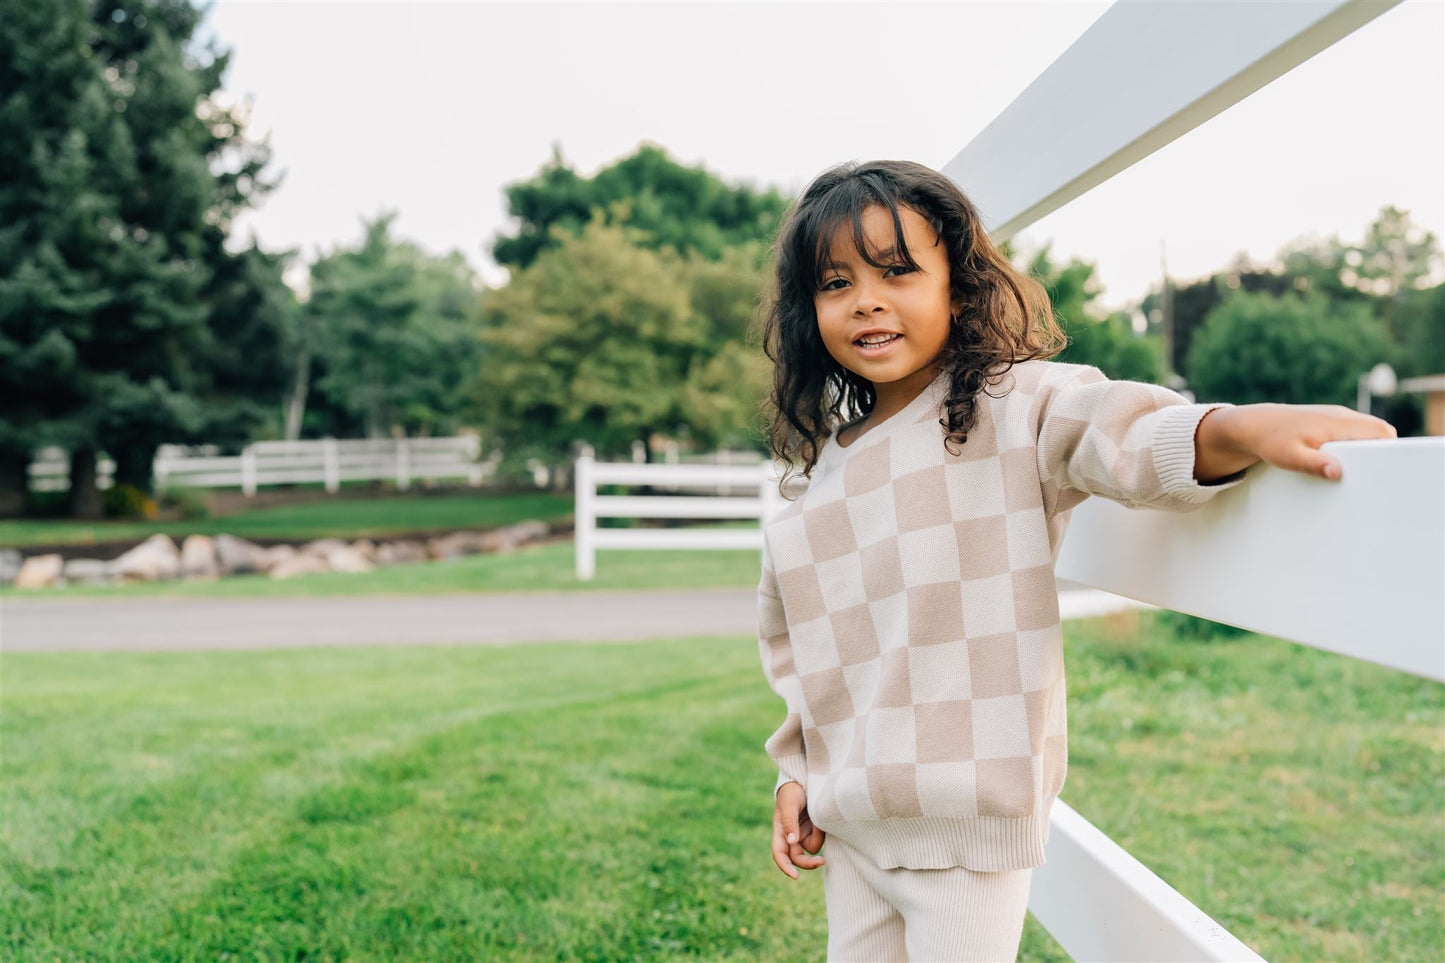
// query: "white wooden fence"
[[1356, 566], [329, 461], [759, 481]]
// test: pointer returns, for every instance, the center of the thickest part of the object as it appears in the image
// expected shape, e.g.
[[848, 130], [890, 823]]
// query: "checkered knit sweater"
[[909, 617]]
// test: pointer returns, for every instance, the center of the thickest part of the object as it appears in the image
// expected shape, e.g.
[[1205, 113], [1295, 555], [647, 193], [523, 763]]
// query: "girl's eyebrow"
[[886, 256]]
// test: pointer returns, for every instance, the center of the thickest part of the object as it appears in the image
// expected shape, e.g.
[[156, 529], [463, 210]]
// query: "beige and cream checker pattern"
[[909, 594]]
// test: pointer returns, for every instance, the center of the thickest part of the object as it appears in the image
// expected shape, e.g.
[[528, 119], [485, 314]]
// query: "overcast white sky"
[[432, 108]]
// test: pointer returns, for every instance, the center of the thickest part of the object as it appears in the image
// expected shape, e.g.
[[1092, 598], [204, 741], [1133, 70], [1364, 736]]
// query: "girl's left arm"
[[1231, 439]]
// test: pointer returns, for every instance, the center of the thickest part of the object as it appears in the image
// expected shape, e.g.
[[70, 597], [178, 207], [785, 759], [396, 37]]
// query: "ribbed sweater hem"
[[985, 844]]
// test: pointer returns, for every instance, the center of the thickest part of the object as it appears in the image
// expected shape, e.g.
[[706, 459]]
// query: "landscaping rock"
[[154, 559], [198, 558], [456, 545], [87, 571], [366, 547], [499, 542], [300, 564], [322, 547], [10, 562], [401, 553], [347, 559], [39, 571], [530, 531], [237, 556], [275, 555]]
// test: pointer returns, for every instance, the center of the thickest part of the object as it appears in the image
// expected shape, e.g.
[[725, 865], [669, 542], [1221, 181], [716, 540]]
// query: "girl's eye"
[[897, 270], [835, 284]]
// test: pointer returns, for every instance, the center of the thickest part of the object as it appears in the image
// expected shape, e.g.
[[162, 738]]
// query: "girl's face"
[[886, 324]]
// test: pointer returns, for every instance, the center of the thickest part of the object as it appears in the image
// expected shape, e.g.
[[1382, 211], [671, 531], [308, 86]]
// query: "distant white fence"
[[49, 471], [328, 461]]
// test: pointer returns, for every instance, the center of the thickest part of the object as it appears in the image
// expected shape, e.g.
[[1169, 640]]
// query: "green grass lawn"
[[340, 518], [539, 567], [605, 802]]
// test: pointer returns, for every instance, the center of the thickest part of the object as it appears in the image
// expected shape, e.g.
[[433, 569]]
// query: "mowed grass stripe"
[[532, 803], [591, 802], [350, 517]]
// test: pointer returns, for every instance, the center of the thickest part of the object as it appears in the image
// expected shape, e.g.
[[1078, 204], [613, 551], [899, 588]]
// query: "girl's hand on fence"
[[796, 840], [1286, 436]]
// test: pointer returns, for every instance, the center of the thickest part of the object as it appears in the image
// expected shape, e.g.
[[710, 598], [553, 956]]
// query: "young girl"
[[908, 613]]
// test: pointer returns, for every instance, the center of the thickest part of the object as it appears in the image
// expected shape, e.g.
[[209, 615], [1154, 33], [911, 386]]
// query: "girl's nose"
[[867, 298]]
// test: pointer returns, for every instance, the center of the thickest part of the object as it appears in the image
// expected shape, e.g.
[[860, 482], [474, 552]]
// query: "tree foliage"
[[1292, 349], [393, 338], [119, 178], [1109, 343], [608, 342], [1389, 273], [665, 203]]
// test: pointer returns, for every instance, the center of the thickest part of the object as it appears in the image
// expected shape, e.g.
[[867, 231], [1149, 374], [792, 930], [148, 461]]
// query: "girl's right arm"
[[785, 746], [775, 648]]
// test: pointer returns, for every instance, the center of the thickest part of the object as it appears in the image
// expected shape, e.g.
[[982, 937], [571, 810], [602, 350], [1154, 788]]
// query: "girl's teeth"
[[875, 342]]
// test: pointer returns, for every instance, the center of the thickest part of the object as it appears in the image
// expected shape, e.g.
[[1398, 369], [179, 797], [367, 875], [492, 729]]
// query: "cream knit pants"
[[920, 915]]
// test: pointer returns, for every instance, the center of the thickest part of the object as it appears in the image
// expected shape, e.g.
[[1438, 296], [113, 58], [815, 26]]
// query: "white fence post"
[[331, 465], [586, 519], [248, 471], [772, 498], [403, 477]]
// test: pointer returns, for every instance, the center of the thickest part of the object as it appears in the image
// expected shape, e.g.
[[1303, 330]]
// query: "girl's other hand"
[[1285, 436], [796, 840]]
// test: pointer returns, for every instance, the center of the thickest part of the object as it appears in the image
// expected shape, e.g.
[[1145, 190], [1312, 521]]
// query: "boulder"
[[400, 553], [198, 557], [87, 571], [236, 556], [366, 547], [277, 554], [300, 564], [322, 547], [39, 571], [154, 559], [530, 531], [10, 562], [456, 545], [347, 559], [500, 541]]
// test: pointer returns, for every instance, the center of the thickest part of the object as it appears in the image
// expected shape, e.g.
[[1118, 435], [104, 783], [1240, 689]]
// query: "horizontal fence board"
[[642, 506], [1142, 76], [1100, 903], [177, 466], [698, 476], [1355, 566], [662, 538]]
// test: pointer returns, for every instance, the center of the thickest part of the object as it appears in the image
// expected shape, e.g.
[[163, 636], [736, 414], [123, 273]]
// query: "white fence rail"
[[328, 461]]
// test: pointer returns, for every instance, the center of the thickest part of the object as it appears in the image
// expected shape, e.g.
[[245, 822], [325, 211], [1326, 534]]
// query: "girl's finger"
[[780, 849], [803, 859], [1313, 461]]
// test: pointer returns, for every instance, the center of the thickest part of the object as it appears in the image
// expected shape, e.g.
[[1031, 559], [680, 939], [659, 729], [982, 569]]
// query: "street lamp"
[[1379, 380]]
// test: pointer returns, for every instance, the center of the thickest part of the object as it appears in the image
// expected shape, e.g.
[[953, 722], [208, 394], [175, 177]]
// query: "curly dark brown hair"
[[1003, 317]]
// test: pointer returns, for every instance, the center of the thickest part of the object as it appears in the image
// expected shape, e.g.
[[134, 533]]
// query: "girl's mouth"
[[876, 343]]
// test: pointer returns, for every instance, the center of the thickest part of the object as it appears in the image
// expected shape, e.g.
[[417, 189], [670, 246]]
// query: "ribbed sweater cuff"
[[791, 769], [1174, 454]]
